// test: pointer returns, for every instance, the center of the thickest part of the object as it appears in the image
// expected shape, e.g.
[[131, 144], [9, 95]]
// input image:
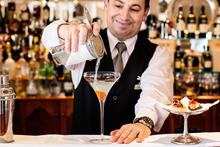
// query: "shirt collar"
[[130, 43]]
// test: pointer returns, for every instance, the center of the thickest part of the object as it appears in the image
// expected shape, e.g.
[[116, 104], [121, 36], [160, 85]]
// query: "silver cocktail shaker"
[[94, 47], [7, 97]]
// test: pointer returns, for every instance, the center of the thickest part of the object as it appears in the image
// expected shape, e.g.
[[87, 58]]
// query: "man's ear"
[[146, 13]]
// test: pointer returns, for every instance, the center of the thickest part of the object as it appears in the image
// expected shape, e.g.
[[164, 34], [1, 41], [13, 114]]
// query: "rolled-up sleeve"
[[157, 87]]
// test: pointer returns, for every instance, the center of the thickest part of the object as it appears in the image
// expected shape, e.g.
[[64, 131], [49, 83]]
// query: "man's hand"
[[74, 35], [129, 132]]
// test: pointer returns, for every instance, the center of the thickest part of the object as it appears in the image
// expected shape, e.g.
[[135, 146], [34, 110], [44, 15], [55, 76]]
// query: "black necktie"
[[118, 62]]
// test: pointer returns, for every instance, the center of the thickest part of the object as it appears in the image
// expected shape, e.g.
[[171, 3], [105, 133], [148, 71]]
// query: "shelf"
[[44, 97]]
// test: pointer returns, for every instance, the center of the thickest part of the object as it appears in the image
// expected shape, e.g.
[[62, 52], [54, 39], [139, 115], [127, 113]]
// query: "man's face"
[[124, 17]]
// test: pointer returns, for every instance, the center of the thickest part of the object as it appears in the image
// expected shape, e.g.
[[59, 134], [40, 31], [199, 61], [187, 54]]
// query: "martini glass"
[[101, 82]]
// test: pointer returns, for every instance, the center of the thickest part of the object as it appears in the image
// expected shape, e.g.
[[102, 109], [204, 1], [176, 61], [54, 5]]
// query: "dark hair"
[[147, 4]]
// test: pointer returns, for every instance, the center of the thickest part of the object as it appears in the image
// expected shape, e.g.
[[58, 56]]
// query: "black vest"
[[120, 102]]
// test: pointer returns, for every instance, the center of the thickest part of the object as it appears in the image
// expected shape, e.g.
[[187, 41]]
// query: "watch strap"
[[148, 122]]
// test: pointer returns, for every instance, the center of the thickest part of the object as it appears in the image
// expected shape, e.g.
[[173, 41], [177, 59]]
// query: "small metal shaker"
[[94, 44], [7, 97]]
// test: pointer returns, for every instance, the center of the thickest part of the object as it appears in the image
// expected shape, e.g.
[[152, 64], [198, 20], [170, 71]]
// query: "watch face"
[[145, 121]]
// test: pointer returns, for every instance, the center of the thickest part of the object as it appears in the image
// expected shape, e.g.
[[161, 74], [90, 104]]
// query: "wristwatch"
[[148, 122]]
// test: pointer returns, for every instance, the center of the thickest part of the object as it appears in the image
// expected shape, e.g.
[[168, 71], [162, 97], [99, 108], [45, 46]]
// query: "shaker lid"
[[96, 46]]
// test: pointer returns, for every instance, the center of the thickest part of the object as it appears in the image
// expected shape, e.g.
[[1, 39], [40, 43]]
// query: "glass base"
[[101, 141], [188, 139]]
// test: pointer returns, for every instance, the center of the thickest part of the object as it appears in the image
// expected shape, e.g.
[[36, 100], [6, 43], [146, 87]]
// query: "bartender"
[[131, 110]]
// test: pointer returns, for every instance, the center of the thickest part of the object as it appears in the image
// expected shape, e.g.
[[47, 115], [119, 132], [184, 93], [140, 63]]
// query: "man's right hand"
[[75, 35]]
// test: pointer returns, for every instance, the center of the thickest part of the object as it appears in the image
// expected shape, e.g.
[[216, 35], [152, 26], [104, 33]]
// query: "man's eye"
[[135, 10], [118, 6]]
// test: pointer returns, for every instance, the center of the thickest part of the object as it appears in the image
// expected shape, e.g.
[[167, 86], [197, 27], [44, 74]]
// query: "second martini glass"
[[101, 82]]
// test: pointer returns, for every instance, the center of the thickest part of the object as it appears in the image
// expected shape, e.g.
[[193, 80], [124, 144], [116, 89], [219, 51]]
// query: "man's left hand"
[[130, 132]]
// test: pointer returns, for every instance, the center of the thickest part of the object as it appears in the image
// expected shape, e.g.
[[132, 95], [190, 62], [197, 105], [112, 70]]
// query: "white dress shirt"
[[156, 81]]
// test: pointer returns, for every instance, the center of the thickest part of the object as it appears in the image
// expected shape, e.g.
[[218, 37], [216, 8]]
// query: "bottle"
[[2, 21], [10, 10], [16, 46], [46, 14], [180, 24], [32, 87], [207, 60], [163, 6], [9, 64], [191, 23], [216, 27], [7, 98], [152, 26], [67, 84], [25, 17], [178, 56], [36, 12], [203, 23], [14, 25]]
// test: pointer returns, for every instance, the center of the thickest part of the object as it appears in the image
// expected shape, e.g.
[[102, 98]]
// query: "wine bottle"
[[46, 14], [191, 23], [203, 23], [216, 27], [2, 21], [14, 25], [10, 10], [67, 84], [180, 24], [207, 59], [25, 17], [178, 56], [152, 26]]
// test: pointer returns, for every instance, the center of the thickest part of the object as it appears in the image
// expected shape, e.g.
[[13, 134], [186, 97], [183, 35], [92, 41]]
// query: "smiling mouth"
[[125, 24]]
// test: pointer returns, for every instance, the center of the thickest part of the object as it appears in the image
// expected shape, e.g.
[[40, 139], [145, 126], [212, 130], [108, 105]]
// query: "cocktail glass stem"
[[102, 103], [185, 131], [186, 138]]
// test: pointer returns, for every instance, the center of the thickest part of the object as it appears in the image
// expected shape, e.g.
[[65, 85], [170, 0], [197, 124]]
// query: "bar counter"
[[207, 139], [39, 115]]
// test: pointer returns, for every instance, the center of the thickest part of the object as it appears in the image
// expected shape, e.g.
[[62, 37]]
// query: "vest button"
[[115, 98]]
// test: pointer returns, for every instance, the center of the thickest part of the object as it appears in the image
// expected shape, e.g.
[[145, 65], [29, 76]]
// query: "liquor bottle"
[[207, 59], [152, 26], [203, 23], [14, 25], [16, 47], [67, 84], [178, 57], [2, 21], [36, 12], [25, 17], [9, 64], [32, 87], [180, 24], [163, 6], [46, 14], [216, 27], [10, 10], [191, 23]]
